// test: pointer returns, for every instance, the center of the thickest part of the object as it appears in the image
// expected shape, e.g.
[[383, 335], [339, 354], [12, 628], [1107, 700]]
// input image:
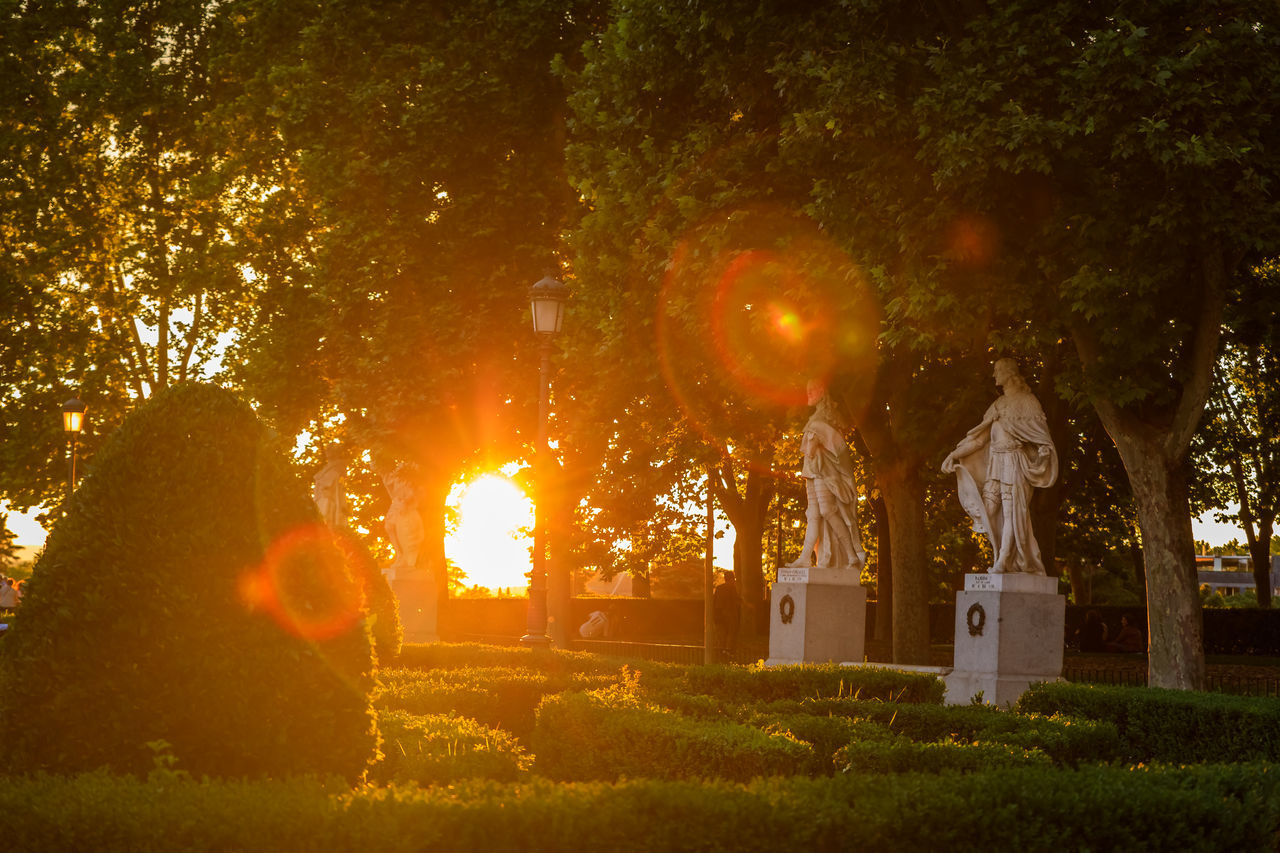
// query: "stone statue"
[[326, 488], [831, 534], [404, 526], [998, 463]]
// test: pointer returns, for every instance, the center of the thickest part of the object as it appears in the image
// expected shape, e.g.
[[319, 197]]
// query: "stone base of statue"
[[1009, 635], [415, 590], [818, 616]]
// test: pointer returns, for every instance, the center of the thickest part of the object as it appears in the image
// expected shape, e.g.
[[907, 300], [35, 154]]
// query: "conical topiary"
[[191, 602]]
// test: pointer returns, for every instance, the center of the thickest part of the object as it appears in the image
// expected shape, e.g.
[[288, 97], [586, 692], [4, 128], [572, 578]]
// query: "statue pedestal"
[[1009, 634], [817, 616], [416, 592]]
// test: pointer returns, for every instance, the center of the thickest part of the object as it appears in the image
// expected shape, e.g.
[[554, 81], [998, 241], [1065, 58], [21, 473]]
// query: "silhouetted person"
[[1093, 634], [726, 606], [1128, 639]]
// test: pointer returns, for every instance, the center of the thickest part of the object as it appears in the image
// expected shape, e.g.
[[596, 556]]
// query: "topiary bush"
[[190, 600]]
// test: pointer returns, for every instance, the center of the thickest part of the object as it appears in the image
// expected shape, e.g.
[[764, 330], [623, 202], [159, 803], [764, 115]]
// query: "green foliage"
[[241, 645], [1066, 740], [760, 683], [900, 755], [1169, 725], [443, 748], [609, 735], [502, 697], [1032, 809]]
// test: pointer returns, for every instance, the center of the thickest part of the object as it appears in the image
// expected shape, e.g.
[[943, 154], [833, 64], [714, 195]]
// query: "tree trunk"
[[1081, 583], [884, 573], [1174, 628], [748, 549], [1260, 551], [904, 504]]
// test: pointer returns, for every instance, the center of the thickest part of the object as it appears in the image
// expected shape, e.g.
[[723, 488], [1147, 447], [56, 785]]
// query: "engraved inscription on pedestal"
[[793, 574]]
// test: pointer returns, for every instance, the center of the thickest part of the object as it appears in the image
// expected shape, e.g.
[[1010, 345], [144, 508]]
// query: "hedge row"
[[609, 735], [501, 697], [1169, 725], [759, 683], [831, 724], [443, 748], [1028, 809]]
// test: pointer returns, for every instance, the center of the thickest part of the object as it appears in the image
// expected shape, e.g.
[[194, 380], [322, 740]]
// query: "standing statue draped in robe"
[[998, 463], [404, 526], [326, 488], [831, 516]]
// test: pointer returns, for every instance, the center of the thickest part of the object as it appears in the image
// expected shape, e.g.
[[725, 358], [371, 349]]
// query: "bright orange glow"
[[491, 542], [304, 585]]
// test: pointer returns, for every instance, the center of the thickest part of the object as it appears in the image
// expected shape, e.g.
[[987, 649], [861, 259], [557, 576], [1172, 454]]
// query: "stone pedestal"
[[817, 616], [416, 593], [1009, 634]]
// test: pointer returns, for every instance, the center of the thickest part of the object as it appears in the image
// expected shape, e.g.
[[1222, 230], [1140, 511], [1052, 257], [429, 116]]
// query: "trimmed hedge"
[[1029, 809], [500, 697], [610, 735], [443, 748], [760, 683], [242, 649], [1169, 725]]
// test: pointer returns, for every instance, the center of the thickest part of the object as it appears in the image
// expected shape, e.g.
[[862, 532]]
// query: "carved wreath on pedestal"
[[977, 619], [787, 609]]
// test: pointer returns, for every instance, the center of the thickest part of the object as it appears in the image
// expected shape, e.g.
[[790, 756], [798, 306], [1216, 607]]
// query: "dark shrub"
[[190, 597]]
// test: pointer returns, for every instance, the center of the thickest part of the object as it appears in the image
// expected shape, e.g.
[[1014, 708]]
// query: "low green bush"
[[1028, 809], [1169, 725], [1066, 740], [901, 755], [443, 748], [609, 735], [761, 683], [470, 655], [501, 697]]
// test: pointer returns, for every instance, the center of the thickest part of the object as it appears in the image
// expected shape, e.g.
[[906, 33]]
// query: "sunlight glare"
[[491, 542]]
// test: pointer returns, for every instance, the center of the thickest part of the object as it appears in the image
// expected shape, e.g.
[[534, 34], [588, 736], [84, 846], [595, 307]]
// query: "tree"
[[1144, 131], [420, 168], [1237, 447], [780, 140], [118, 277]]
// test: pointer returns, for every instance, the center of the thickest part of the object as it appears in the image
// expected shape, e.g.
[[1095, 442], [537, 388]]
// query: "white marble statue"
[[831, 537], [404, 526], [998, 463], [326, 488]]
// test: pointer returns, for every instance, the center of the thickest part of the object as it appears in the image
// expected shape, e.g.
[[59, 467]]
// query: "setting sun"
[[489, 543]]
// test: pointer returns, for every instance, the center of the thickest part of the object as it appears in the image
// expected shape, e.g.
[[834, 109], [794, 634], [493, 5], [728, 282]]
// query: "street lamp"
[[547, 299], [72, 422]]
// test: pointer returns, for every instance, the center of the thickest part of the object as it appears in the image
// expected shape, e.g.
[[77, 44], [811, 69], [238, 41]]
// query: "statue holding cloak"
[[998, 463]]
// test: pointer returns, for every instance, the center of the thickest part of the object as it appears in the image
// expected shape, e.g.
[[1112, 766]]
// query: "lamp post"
[[547, 298], [72, 423]]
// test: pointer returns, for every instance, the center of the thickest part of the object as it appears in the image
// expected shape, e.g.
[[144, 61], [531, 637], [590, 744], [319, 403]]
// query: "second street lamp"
[[72, 423], [547, 299]]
